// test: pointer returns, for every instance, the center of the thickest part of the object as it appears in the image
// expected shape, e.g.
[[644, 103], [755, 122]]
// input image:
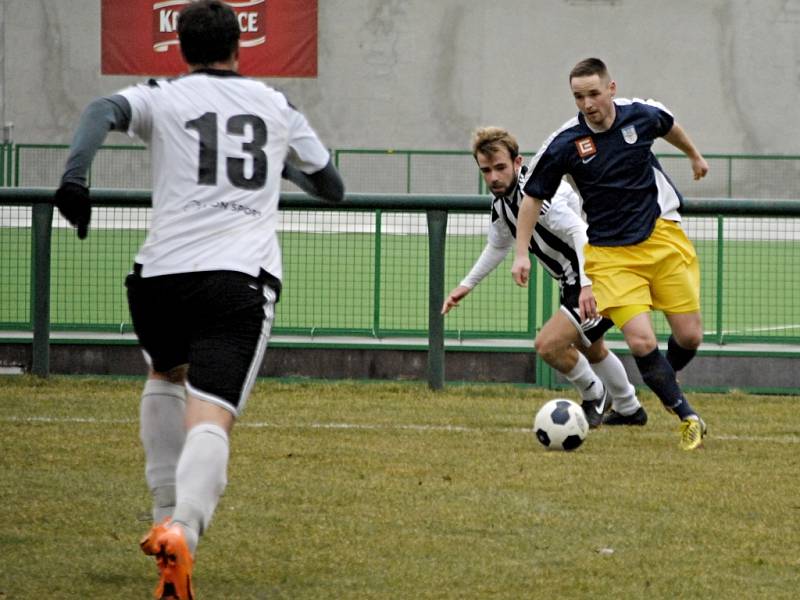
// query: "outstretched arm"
[[487, 262], [526, 220], [678, 137]]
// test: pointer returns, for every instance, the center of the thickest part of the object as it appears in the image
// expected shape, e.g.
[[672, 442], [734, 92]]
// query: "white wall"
[[424, 73]]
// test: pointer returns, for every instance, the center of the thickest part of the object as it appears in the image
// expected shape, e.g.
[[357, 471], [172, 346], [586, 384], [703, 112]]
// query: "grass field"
[[389, 490]]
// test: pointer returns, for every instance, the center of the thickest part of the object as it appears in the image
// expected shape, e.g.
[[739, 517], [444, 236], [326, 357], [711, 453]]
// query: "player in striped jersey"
[[557, 242], [205, 282], [638, 256]]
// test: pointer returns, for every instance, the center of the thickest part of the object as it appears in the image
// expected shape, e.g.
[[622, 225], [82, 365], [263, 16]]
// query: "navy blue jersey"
[[621, 183]]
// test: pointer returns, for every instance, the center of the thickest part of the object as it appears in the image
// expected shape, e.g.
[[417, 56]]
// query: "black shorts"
[[217, 322], [589, 330]]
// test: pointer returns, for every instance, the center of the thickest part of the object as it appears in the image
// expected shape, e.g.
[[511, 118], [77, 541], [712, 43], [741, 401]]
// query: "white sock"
[[588, 384], [201, 479], [162, 431], [612, 372]]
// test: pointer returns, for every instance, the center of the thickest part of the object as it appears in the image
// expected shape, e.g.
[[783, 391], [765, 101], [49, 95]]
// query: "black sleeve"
[[326, 183], [110, 113]]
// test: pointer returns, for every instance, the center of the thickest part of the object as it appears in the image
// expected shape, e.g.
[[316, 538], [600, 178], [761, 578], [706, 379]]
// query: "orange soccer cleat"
[[168, 544]]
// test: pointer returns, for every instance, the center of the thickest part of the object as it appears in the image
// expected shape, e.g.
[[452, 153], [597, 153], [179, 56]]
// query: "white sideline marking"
[[399, 427], [785, 439], [788, 327]]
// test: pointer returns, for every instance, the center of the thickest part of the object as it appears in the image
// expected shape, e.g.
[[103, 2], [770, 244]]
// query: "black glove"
[[72, 201]]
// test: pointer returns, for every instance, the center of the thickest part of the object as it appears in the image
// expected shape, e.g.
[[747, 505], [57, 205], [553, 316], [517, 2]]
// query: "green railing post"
[[16, 164], [42, 228], [9, 162], [544, 372], [720, 277], [730, 177], [437, 229], [376, 295]]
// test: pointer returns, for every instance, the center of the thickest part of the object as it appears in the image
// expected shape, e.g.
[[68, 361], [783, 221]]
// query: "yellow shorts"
[[660, 273]]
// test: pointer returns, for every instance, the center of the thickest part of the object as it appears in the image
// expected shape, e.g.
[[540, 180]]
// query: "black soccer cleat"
[[594, 409], [637, 418]]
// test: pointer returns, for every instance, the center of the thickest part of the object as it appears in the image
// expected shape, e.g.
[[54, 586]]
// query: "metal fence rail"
[[410, 171]]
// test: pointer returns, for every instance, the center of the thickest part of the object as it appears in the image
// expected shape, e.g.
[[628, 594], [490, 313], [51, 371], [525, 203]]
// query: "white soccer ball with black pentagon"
[[560, 425]]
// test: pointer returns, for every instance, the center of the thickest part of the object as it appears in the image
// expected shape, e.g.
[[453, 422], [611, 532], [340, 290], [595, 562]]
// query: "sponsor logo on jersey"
[[629, 134], [586, 148], [235, 207], [250, 13]]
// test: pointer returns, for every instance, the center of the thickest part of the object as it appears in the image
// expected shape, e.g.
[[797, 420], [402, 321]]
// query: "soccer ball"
[[560, 425]]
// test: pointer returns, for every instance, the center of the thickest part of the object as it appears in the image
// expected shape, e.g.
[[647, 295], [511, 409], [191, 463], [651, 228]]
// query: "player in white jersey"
[[569, 344], [206, 280]]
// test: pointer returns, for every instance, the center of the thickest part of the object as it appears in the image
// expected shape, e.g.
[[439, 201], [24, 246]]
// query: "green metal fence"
[[446, 172], [5, 164], [414, 171], [364, 270]]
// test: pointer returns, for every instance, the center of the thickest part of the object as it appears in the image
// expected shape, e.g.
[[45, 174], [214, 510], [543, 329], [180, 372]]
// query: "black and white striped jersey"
[[557, 240]]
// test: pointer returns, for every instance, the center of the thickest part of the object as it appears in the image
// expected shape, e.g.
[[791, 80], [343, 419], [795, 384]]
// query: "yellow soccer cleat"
[[693, 430]]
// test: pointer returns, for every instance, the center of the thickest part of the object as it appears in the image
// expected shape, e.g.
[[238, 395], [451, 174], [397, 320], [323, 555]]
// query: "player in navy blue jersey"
[[637, 256], [569, 344]]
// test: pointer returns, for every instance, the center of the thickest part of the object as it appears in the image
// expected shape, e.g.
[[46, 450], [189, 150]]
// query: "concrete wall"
[[725, 371], [423, 74]]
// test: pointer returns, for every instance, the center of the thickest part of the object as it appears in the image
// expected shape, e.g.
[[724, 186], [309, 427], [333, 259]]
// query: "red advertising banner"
[[279, 37]]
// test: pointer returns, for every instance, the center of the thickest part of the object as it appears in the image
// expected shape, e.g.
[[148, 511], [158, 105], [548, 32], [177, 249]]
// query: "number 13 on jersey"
[[208, 155]]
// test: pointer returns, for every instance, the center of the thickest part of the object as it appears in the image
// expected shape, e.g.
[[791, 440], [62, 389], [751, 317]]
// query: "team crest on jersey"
[[629, 134], [585, 147]]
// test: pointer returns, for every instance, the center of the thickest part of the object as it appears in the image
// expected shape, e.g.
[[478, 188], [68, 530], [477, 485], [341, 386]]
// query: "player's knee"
[[641, 345], [547, 347], [690, 340], [175, 375]]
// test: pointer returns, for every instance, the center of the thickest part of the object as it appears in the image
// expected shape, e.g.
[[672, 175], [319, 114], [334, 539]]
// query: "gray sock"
[[201, 479], [162, 431]]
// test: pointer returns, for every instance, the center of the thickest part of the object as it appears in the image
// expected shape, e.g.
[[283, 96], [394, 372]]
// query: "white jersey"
[[557, 240], [218, 144]]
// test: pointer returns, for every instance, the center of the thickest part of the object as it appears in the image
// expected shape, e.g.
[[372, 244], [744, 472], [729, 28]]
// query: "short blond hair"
[[487, 140]]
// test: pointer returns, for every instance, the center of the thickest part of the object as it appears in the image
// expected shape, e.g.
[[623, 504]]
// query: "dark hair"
[[208, 31], [588, 67]]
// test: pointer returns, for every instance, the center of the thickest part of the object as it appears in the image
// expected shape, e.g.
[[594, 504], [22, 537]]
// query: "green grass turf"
[[330, 284], [389, 490]]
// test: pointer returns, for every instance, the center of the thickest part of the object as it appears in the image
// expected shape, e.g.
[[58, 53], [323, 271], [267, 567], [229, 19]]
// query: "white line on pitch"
[[784, 439], [789, 327]]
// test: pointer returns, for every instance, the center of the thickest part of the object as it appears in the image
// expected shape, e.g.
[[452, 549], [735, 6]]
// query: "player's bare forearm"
[[678, 137], [526, 220]]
